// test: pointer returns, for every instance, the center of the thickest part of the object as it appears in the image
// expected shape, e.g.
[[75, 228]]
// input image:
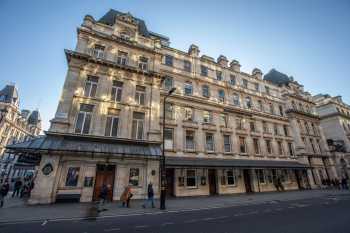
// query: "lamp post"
[[162, 159]]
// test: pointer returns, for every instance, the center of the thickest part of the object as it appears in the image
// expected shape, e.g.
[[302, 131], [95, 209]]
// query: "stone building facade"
[[15, 126], [335, 122], [226, 131]]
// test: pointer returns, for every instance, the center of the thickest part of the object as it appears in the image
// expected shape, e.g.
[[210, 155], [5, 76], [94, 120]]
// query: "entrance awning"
[[241, 163], [86, 145]]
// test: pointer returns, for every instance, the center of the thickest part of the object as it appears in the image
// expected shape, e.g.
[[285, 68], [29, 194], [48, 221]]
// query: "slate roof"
[[34, 118], [8, 93], [277, 77], [52, 142], [243, 163], [110, 17]]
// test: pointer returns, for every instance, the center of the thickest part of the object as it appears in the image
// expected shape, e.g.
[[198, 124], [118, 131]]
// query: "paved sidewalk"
[[15, 211]]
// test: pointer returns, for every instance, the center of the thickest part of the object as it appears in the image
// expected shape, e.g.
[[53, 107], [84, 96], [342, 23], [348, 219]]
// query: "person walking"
[[4, 189], [126, 197], [17, 188], [103, 197], [344, 183], [150, 196]]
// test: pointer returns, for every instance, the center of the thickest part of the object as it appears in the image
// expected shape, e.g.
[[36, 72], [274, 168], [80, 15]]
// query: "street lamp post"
[[162, 159]]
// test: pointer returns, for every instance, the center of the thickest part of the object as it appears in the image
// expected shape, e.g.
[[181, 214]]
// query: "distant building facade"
[[226, 131], [335, 122], [15, 126]]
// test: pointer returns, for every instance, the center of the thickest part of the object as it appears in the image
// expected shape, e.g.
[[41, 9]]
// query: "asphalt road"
[[325, 215]]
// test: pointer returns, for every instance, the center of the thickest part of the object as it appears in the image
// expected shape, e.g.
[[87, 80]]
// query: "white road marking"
[[112, 229], [208, 219], [142, 226], [44, 223], [191, 221]]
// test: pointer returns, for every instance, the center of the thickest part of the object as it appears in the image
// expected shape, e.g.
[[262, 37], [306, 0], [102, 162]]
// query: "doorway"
[[104, 175], [212, 181], [247, 181], [170, 176]]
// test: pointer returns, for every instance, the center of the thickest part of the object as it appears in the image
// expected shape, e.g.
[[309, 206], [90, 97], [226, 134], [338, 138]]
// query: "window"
[[168, 83], [307, 127], [191, 179], [189, 140], [256, 146], [134, 176], [294, 106], [90, 86], [314, 128], [187, 66], [140, 95], [204, 70], [280, 148], [82, 125], [265, 127], [227, 143], [232, 80], [205, 91], [290, 149], [281, 110], [256, 85], [260, 105], [239, 123], [268, 146], [301, 108], [319, 146], [209, 142], [168, 138], [313, 146], [188, 88], [285, 129], [275, 129], [248, 102], [98, 51], [223, 120], [137, 125], [236, 100], [169, 111], [267, 90], [272, 110], [207, 117], [219, 75], [261, 176], [122, 58], [143, 63], [117, 89], [245, 83], [221, 94], [242, 145], [252, 126], [188, 114], [72, 176], [168, 60], [231, 179], [112, 123]]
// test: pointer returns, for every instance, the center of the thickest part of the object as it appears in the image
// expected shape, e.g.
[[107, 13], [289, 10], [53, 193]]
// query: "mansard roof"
[[9, 94], [34, 118], [277, 77]]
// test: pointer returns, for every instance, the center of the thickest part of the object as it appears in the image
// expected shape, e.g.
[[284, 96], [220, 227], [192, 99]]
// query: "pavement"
[[16, 210], [320, 211]]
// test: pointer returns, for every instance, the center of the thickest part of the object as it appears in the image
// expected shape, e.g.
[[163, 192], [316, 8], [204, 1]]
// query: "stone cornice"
[[302, 113], [336, 114]]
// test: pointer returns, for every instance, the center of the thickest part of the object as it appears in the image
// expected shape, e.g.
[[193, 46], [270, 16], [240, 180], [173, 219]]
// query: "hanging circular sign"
[[47, 169]]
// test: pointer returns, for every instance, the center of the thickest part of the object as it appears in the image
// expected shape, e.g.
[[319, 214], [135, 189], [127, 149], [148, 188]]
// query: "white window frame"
[[118, 91], [209, 147], [229, 144], [140, 95]]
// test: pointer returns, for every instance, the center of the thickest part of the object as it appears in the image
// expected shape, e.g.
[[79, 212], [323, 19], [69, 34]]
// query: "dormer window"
[[143, 63], [122, 58]]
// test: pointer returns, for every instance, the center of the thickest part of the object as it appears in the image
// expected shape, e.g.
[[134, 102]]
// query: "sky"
[[309, 40]]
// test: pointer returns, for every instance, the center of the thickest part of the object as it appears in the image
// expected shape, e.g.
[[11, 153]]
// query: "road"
[[330, 214]]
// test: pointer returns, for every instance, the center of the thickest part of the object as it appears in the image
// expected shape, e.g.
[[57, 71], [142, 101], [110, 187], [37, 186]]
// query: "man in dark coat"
[[17, 188], [4, 189], [150, 196]]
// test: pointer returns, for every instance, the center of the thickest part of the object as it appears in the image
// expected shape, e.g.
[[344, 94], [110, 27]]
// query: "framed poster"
[[72, 176]]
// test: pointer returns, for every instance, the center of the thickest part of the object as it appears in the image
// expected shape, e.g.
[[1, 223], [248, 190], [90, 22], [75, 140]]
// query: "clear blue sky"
[[309, 40]]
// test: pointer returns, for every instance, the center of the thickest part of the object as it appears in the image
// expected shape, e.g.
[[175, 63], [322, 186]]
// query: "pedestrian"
[[150, 196], [4, 189], [17, 187], [279, 183], [103, 197], [126, 197], [344, 183]]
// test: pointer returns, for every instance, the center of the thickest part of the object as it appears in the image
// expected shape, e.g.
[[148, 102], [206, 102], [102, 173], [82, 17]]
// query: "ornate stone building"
[[15, 126], [226, 131], [335, 122]]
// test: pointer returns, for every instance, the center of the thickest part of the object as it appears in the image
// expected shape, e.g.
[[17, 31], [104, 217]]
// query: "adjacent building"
[[15, 126], [226, 131], [335, 122]]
